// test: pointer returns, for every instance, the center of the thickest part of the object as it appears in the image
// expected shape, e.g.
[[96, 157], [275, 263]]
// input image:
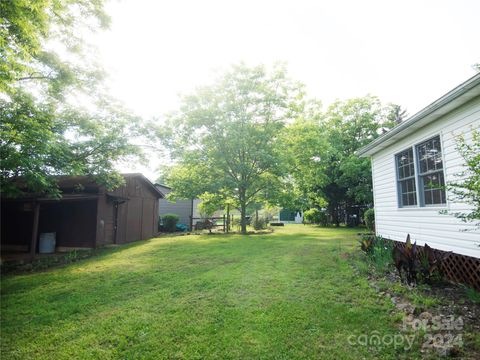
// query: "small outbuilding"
[[86, 215]]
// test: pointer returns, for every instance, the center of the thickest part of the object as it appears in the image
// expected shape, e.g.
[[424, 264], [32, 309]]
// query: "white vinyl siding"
[[426, 224]]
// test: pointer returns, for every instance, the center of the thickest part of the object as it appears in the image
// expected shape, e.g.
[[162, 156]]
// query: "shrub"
[[312, 216], [170, 222], [378, 251], [259, 224], [381, 254], [316, 216], [367, 243], [323, 218], [236, 224], [369, 218]]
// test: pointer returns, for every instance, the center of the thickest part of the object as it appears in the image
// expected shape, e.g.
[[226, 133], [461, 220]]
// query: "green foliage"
[[210, 203], [259, 223], [378, 251], [369, 218], [473, 295], [42, 134], [406, 261], [26, 30], [467, 188], [312, 216], [38, 142], [224, 138], [316, 216], [366, 243], [430, 264], [321, 150], [170, 222]]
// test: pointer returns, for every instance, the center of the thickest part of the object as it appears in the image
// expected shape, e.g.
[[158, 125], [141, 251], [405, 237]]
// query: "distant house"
[[412, 163], [86, 216], [185, 209]]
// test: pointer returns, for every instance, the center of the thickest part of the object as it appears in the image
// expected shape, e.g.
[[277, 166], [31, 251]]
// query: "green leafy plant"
[[405, 259], [473, 295], [367, 243], [467, 187], [369, 218], [259, 223], [430, 263], [170, 222], [381, 254], [312, 216], [316, 216]]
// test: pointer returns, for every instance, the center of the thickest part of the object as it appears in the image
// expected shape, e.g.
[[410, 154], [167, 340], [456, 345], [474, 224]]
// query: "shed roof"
[[448, 102], [89, 187]]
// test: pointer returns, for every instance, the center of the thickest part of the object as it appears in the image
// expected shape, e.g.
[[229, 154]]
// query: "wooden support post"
[[33, 242], [228, 218], [224, 224], [191, 217]]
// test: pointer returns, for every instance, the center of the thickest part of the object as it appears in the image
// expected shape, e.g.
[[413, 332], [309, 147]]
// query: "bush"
[[323, 218], [316, 216], [236, 224], [259, 224], [312, 216], [381, 255], [369, 218], [170, 222]]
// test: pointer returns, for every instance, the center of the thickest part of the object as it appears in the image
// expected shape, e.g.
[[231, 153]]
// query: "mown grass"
[[287, 295]]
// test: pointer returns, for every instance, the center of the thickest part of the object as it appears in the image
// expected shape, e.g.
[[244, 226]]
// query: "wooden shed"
[[86, 216]]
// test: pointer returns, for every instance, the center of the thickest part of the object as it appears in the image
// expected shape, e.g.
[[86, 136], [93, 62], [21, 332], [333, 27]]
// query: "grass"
[[287, 295]]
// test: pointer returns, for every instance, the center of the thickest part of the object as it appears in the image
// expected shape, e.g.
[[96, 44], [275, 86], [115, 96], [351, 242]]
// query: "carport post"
[[36, 216]]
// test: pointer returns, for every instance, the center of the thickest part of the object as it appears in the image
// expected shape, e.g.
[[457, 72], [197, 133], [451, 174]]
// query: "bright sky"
[[406, 52]]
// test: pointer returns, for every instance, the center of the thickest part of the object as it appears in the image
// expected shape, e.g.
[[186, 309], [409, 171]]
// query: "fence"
[[199, 223]]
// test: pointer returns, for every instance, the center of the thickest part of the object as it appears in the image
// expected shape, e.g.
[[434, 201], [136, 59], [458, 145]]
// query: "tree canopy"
[[225, 136], [46, 71]]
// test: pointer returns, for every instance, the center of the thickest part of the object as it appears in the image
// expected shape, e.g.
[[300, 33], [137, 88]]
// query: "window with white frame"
[[425, 159], [430, 172], [407, 193]]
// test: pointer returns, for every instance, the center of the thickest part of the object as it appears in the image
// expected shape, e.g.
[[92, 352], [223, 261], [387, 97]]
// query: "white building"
[[413, 155]]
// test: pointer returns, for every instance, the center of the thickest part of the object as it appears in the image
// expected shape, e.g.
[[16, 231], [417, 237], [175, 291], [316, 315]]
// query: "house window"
[[430, 169], [406, 178]]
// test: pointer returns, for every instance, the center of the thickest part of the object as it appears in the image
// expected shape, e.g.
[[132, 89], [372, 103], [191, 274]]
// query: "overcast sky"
[[406, 52]]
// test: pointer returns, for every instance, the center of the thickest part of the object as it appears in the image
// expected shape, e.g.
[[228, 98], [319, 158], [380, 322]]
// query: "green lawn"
[[287, 295]]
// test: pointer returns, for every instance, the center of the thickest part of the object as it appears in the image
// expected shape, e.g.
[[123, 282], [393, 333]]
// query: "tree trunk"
[[228, 218], [243, 210], [243, 218]]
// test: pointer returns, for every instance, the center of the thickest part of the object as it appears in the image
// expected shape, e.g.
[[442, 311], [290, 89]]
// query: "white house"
[[413, 155]]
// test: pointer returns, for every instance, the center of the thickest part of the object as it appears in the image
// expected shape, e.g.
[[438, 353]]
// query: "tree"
[[305, 154], [466, 188], [351, 125], [44, 132], [320, 149], [395, 114], [27, 33], [225, 136]]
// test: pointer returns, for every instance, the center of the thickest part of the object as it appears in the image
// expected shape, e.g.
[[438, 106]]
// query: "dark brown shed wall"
[[73, 222], [137, 216]]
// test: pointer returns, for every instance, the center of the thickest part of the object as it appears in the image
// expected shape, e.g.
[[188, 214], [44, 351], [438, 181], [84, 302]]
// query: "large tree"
[[45, 73], [224, 138], [321, 152]]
